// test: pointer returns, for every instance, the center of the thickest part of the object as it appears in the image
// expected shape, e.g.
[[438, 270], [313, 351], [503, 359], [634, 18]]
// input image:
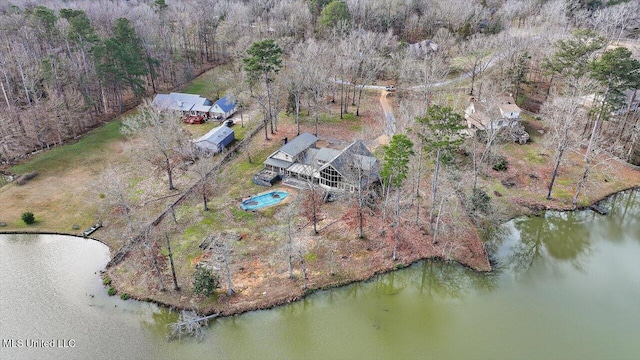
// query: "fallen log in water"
[[189, 324]]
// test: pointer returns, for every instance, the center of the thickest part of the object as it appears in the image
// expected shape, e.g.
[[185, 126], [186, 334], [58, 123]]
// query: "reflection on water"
[[567, 286], [556, 236]]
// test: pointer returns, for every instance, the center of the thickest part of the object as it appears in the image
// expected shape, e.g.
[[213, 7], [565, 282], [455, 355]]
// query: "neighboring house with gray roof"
[[332, 169], [423, 48], [188, 104]]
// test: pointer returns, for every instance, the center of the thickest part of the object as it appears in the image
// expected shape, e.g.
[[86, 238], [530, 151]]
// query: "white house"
[[498, 113], [223, 108]]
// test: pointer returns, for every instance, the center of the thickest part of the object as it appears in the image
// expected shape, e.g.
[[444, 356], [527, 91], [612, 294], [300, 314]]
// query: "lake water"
[[567, 287]]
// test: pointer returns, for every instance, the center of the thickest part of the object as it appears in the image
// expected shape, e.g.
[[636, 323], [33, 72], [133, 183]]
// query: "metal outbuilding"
[[216, 139]]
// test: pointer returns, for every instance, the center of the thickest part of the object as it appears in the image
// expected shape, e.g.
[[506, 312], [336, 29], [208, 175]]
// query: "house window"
[[330, 177]]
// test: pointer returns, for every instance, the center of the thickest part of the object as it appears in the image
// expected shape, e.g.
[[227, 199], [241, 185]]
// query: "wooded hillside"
[[68, 65]]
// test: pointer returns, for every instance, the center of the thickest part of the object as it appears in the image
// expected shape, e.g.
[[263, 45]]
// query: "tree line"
[[64, 69], [67, 66]]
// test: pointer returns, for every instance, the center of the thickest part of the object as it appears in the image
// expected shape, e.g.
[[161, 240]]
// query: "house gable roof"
[[215, 136], [301, 143], [508, 108], [476, 114], [507, 104], [356, 155], [201, 108], [161, 100], [167, 102], [481, 113], [190, 98], [225, 104], [326, 154], [182, 102], [423, 47], [283, 164]]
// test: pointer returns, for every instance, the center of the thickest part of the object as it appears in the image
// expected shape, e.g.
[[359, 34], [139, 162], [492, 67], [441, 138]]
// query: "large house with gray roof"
[[188, 104], [191, 104], [346, 169]]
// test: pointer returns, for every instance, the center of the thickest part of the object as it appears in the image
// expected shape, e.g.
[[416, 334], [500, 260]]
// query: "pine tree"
[[264, 60], [443, 127], [616, 70], [121, 61]]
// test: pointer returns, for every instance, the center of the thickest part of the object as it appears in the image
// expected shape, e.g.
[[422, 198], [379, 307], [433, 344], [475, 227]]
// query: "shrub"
[[310, 257], [205, 282], [446, 157], [112, 291], [125, 296], [501, 164], [481, 200], [28, 217], [106, 281]]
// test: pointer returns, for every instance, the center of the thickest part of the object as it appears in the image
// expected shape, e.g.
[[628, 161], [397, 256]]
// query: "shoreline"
[[280, 301], [369, 276]]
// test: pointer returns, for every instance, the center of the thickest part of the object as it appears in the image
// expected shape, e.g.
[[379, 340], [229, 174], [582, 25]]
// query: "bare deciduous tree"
[[204, 164], [563, 116], [162, 130], [223, 256]]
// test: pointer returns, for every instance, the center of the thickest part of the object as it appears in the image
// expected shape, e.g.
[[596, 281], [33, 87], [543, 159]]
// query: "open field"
[[62, 195]]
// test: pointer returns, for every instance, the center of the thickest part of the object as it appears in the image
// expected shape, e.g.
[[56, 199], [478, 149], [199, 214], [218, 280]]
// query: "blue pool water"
[[264, 200]]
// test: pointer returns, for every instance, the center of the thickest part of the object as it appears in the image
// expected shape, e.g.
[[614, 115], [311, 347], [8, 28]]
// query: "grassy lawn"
[[208, 84], [198, 130], [238, 178], [89, 151], [70, 187], [204, 85]]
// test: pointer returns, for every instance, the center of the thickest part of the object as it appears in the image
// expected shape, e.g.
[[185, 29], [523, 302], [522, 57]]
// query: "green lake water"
[[566, 286]]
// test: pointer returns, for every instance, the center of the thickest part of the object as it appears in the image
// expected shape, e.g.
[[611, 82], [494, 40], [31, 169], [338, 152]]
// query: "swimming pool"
[[264, 200]]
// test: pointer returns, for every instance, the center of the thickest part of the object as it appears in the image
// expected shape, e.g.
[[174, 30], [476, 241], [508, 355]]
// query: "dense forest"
[[68, 66]]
